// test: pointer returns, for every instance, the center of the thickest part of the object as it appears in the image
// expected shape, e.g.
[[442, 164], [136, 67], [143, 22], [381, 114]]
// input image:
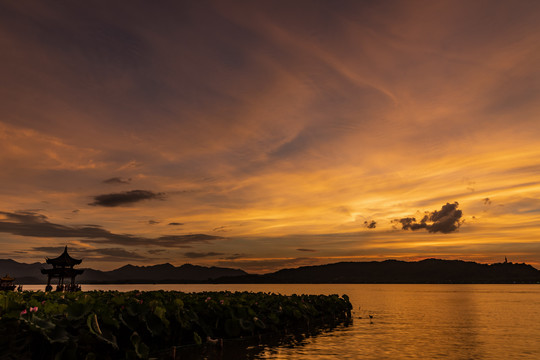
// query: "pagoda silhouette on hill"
[[63, 269]]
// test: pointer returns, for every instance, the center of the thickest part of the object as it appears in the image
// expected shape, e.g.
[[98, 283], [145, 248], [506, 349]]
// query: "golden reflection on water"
[[407, 322], [430, 322]]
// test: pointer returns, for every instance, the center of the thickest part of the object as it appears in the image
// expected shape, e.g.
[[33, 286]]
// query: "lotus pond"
[[141, 325]]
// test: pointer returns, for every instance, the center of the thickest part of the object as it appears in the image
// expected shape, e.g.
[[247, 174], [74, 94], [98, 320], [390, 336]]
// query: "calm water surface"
[[409, 321]]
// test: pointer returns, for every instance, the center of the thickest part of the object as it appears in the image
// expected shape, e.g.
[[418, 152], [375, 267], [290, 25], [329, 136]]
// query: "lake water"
[[408, 321]]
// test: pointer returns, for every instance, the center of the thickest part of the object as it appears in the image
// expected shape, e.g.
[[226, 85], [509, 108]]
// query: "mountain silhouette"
[[163, 273], [399, 272], [388, 271], [23, 273]]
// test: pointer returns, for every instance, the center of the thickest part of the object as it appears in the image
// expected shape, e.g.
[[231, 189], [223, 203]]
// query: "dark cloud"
[[53, 249], [307, 250], [25, 216], [176, 224], [153, 222], [156, 251], [487, 201], [104, 253], [221, 229], [117, 180], [234, 256], [126, 197], [409, 223], [370, 224], [28, 223], [117, 253], [187, 239], [445, 221], [196, 255]]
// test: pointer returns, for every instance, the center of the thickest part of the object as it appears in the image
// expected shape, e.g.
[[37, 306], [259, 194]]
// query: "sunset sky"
[[267, 134]]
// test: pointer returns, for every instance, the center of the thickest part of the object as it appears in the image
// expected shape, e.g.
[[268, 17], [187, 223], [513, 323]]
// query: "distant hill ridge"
[[388, 271], [162, 273], [167, 273], [399, 272]]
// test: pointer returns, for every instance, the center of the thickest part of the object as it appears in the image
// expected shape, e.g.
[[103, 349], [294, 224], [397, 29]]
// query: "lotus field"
[[137, 325]]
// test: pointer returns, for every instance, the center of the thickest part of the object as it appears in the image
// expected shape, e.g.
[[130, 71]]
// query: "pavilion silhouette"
[[63, 269]]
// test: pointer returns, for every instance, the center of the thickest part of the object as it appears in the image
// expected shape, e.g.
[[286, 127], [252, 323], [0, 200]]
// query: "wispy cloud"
[[197, 255]]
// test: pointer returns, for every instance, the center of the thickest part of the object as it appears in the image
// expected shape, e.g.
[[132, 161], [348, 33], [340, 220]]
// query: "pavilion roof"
[[64, 260], [7, 278]]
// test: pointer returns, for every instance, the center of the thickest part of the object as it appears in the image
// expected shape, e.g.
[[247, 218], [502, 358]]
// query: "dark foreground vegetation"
[[141, 325]]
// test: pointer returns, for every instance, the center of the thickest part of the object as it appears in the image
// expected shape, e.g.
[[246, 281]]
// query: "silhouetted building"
[[63, 269], [6, 283]]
